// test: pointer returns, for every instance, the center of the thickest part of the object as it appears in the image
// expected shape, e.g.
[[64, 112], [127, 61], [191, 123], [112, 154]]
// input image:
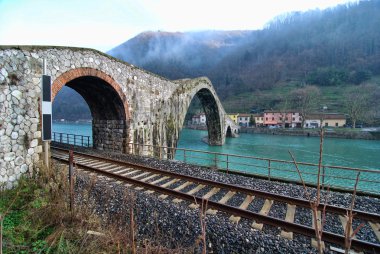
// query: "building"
[[233, 116], [282, 119], [259, 119], [199, 119], [327, 120], [244, 119]]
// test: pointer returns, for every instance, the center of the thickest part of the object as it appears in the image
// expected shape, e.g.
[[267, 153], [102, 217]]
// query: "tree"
[[306, 100], [360, 102]]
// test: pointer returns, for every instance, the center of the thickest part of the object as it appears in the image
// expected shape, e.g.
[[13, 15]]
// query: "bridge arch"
[[201, 88], [212, 111], [107, 103]]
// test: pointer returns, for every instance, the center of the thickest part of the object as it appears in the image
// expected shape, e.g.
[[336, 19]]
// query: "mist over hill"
[[179, 55], [335, 49]]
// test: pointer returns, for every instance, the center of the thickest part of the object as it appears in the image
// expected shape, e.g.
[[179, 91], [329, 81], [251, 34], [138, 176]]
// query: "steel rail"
[[291, 227], [373, 217]]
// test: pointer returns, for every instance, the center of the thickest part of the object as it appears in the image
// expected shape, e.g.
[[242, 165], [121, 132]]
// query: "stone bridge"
[[128, 104]]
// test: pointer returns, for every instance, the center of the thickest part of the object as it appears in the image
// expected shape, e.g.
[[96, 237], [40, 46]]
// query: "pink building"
[[287, 119]]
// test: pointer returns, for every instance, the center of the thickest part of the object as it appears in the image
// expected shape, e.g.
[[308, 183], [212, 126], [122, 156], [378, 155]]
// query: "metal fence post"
[[227, 163], [216, 164], [323, 176], [268, 169]]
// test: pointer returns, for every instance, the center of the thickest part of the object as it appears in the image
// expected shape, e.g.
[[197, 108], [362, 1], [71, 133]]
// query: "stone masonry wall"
[[20, 132], [108, 135]]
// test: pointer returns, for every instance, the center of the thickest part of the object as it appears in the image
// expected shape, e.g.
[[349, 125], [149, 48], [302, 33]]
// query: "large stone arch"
[[107, 102]]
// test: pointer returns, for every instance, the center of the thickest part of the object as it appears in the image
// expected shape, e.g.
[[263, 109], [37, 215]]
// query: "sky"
[[105, 24]]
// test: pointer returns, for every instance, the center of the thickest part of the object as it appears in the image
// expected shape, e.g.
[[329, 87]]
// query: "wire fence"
[[337, 177], [72, 139]]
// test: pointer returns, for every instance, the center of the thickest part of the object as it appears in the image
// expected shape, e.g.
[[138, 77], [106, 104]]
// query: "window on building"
[[266, 118], [294, 118], [336, 124], [286, 119], [280, 118], [272, 118], [326, 124]]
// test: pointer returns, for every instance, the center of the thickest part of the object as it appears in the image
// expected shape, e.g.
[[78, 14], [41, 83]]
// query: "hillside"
[[336, 50]]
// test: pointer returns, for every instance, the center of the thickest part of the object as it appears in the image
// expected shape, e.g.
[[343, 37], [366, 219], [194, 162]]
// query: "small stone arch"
[[107, 102], [202, 88]]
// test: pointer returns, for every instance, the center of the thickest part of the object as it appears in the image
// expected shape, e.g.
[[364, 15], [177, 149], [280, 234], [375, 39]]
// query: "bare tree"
[[350, 216], [316, 201], [306, 100], [357, 103]]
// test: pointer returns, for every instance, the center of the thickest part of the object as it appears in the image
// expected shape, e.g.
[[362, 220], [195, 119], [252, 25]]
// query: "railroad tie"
[[193, 191], [169, 183], [343, 220], [376, 229], [290, 211], [112, 168], [140, 175], [339, 250], [164, 196], [211, 193], [121, 171], [96, 164], [182, 186], [223, 200], [160, 180], [248, 199], [314, 242], [196, 189], [82, 160], [131, 173], [149, 177], [264, 211]]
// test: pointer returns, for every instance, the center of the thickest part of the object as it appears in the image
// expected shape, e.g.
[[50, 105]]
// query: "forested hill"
[[332, 47], [335, 49]]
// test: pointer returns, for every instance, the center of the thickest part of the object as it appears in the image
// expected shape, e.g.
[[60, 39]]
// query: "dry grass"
[[46, 224]]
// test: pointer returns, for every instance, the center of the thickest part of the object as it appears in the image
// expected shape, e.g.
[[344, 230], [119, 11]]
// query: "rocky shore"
[[176, 225]]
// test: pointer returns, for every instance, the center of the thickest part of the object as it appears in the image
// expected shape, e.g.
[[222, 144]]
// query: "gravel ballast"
[[179, 225]]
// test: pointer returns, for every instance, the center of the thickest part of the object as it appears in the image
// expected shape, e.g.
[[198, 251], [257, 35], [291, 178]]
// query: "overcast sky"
[[104, 24]]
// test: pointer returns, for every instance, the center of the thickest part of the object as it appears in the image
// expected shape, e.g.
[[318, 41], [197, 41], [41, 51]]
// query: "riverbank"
[[331, 133]]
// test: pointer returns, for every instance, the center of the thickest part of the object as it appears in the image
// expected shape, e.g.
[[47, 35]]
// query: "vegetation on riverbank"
[[36, 218]]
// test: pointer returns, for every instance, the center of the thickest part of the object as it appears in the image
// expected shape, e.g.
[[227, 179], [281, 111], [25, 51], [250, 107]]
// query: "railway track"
[[219, 195]]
